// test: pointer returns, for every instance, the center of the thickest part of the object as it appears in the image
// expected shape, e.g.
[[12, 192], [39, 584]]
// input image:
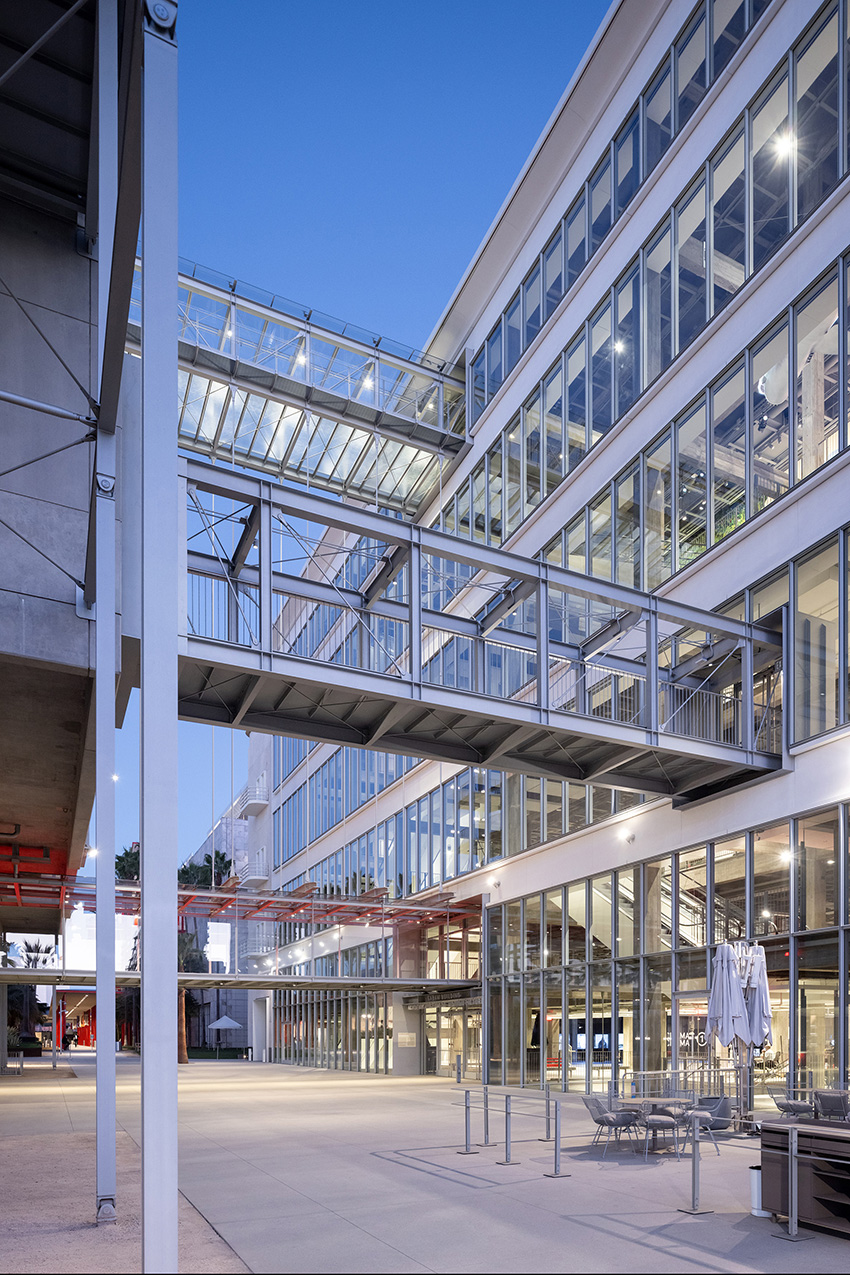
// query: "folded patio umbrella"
[[757, 999], [728, 1018]]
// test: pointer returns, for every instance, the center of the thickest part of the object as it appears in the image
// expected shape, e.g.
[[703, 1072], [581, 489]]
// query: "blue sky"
[[351, 156]]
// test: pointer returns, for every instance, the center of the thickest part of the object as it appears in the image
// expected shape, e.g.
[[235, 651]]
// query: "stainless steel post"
[[459, 1062], [792, 1183], [557, 1171], [507, 1159], [486, 1142], [159, 629], [467, 1126], [695, 1155], [548, 1137]]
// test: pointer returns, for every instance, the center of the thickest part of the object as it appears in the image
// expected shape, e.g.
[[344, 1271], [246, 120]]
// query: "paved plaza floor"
[[307, 1170]]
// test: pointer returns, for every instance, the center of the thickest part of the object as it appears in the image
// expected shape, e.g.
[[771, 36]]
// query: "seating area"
[[670, 1117], [832, 1104]]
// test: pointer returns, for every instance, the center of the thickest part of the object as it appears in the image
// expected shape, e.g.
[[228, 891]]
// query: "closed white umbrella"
[[757, 998], [728, 1019]]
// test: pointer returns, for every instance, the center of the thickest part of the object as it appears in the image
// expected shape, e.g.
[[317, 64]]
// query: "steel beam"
[[499, 562], [105, 591], [159, 623]]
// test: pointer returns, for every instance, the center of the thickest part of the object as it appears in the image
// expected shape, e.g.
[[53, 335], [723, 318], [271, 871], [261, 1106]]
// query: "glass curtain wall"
[[775, 166], [625, 960]]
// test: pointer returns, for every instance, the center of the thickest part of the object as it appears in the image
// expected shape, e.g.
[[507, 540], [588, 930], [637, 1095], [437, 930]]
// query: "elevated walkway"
[[274, 387], [439, 652]]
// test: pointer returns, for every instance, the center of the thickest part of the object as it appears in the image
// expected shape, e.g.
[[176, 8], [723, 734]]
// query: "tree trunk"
[[182, 1052]]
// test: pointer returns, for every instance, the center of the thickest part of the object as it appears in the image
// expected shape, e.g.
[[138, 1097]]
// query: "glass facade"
[[747, 198], [475, 818], [586, 984], [703, 50]]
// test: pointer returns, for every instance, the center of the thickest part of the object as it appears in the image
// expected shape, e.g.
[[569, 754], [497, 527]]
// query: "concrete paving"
[[322, 1171]]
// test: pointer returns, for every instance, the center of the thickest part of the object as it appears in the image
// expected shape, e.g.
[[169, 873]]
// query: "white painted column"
[[105, 648], [159, 629]]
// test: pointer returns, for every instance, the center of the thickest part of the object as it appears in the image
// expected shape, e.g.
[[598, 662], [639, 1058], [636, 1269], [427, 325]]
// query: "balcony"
[[252, 801], [255, 873]]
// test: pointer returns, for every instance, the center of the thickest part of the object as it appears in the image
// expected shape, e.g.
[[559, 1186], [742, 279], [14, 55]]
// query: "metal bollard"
[[507, 1159], [458, 1057], [486, 1142], [792, 1233], [695, 1154], [557, 1173], [548, 1137], [467, 1127]]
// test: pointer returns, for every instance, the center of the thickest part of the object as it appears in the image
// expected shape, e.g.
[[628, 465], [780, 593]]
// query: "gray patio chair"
[[714, 1114], [614, 1121], [832, 1104], [790, 1107], [663, 1121]]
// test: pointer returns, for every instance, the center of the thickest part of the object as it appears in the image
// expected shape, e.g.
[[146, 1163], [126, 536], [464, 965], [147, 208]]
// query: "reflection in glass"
[[729, 453], [600, 373], [728, 207], [817, 1012], [554, 953], [691, 265], [576, 403], [553, 275], [691, 70], [600, 204], [627, 343], [817, 378], [600, 916], [817, 870], [531, 306], [627, 975], [628, 528], [658, 118], [817, 128], [601, 1046], [693, 897], [659, 305], [771, 880], [577, 913], [628, 919], [772, 147], [553, 405], [494, 361], [816, 643], [658, 1004], [576, 240], [627, 159], [769, 428], [513, 339], [657, 905], [658, 537], [600, 536], [727, 26], [730, 895], [691, 483]]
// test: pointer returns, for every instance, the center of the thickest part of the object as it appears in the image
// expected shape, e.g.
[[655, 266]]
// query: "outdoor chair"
[[714, 1114], [614, 1121], [832, 1104], [663, 1121], [790, 1107]]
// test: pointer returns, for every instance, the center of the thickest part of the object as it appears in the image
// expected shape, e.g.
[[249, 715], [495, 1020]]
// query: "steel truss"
[[619, 688]]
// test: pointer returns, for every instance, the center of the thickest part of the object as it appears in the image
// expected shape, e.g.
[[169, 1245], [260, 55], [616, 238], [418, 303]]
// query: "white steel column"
[[105, 652], [159, 629]]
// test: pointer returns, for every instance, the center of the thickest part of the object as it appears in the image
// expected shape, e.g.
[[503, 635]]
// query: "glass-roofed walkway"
[[273, 386]]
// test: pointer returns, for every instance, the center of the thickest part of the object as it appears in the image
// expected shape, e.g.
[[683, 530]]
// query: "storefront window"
[[554, 951], [628, 912], [817, 861], [730, 895], [771, 880], [627, 975], [693, 897], [658, 1002], [603, 1046], [577, 913], [512, 953], [817, 1012], [658, 905], [816, 643], [601, 916], [532, 932]]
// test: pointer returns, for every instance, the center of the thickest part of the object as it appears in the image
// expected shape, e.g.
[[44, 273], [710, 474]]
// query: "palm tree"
[[190, 960]]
